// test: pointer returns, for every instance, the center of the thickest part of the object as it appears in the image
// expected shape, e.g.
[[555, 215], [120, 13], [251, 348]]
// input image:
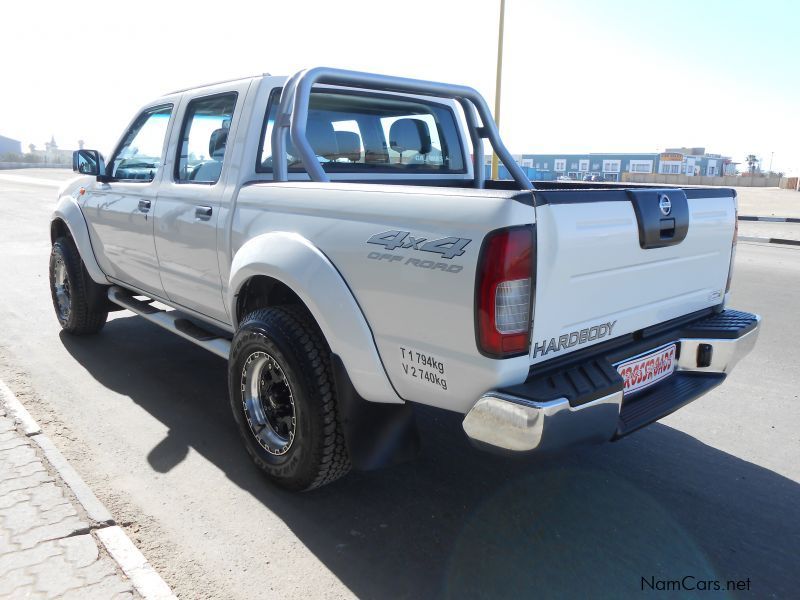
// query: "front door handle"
[[202, 212], [144, 205]]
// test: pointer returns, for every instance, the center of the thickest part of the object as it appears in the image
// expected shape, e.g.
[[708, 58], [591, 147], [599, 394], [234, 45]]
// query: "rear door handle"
[[144, 205], [202, 212]]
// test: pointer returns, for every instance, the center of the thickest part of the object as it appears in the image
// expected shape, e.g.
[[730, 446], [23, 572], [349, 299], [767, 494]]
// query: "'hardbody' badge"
[[573, 338]]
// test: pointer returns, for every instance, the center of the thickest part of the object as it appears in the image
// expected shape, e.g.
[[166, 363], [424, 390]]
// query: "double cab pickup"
[[334, 237]]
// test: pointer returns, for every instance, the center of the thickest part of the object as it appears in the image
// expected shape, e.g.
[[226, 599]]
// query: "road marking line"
[[770, 219], [766, 240], [31, 180]]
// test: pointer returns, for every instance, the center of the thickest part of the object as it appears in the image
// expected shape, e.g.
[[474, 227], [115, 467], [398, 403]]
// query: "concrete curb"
[[133, 564], [19, 412], [143, 576], [93, 507], [770, 219], [765, 240]]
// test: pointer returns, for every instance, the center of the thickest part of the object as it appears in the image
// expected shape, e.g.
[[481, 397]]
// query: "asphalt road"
[[712, 491]]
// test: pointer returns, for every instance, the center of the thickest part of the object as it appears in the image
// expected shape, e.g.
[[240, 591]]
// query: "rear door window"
[[204, 139], [354, 132]]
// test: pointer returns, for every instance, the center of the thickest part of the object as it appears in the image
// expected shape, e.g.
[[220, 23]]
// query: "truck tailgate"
[[612, 261]]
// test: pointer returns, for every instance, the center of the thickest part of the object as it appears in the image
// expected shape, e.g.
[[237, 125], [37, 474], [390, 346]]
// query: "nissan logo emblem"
[[664, 204]]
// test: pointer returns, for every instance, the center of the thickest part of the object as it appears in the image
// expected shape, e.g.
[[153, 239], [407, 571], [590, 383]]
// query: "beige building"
[[52, 154]]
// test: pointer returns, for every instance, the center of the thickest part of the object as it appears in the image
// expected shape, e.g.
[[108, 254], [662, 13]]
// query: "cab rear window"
[[353, 132]]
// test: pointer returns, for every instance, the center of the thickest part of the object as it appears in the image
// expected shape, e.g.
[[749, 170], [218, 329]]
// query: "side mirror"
[[89, 162]]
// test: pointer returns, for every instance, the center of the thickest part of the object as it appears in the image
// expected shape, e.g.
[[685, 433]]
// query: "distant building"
[[9, 145], [52, 154], [695, 161], [610, 166]]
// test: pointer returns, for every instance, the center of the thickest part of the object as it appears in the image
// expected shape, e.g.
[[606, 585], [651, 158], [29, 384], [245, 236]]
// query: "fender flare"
[[295, 261], [69, 212]]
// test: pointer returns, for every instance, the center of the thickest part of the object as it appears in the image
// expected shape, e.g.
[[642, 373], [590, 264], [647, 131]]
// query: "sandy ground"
[[768, 202]]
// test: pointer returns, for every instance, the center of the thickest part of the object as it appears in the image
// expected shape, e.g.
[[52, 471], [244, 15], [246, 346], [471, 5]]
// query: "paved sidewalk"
[[47, 548]]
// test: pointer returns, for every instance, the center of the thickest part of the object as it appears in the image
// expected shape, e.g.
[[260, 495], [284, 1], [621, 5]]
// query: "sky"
[[578, 75]]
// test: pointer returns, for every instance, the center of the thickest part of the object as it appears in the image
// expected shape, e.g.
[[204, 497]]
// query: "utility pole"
[[495, 162]]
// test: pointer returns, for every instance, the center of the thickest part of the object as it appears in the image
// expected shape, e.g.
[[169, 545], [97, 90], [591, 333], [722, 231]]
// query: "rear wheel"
[[283, 398], [73, 291]]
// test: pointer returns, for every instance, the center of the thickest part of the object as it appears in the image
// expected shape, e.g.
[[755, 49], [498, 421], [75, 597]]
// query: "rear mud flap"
[[377, 434]]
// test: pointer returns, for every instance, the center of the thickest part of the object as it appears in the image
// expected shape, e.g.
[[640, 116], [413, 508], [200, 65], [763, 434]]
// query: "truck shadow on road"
[[458, 522]]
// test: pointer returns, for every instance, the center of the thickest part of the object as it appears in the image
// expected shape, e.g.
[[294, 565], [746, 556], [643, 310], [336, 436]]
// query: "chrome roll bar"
[[293, 115]]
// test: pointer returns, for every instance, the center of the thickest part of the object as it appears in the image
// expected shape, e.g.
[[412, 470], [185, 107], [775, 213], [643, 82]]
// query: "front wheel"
[[73, 291], [283, 398]]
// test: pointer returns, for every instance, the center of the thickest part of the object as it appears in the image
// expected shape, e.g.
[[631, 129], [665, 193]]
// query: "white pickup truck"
[[333, 236]]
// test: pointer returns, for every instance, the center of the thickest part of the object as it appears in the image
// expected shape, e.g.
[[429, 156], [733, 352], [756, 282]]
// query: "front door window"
[[139, 156]]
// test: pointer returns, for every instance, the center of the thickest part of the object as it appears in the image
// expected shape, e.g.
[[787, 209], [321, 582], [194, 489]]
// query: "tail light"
[[733, 244], [504, 292]]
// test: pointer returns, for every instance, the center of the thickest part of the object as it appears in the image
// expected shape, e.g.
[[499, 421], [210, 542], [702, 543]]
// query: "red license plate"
[[646, 370]]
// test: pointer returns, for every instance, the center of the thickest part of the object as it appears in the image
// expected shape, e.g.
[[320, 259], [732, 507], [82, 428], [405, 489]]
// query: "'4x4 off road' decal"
[[448, 247]]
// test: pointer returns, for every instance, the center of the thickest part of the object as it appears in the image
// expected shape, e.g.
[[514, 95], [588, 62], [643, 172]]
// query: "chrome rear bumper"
[[725, 353], [518, 423]]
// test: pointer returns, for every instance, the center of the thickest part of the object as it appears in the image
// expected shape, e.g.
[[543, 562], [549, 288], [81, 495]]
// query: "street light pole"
[[495, 162]]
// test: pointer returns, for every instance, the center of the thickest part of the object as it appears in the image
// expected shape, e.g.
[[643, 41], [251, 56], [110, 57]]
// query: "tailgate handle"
[[667, 229]]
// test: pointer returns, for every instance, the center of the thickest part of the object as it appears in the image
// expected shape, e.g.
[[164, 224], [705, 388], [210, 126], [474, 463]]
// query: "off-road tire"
[[317, 454], [86, 315]]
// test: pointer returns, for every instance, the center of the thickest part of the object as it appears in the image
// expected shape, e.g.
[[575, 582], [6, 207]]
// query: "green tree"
[[752, 163]]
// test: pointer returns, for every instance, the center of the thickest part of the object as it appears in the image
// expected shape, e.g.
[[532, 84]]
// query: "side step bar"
[[173, 321]]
